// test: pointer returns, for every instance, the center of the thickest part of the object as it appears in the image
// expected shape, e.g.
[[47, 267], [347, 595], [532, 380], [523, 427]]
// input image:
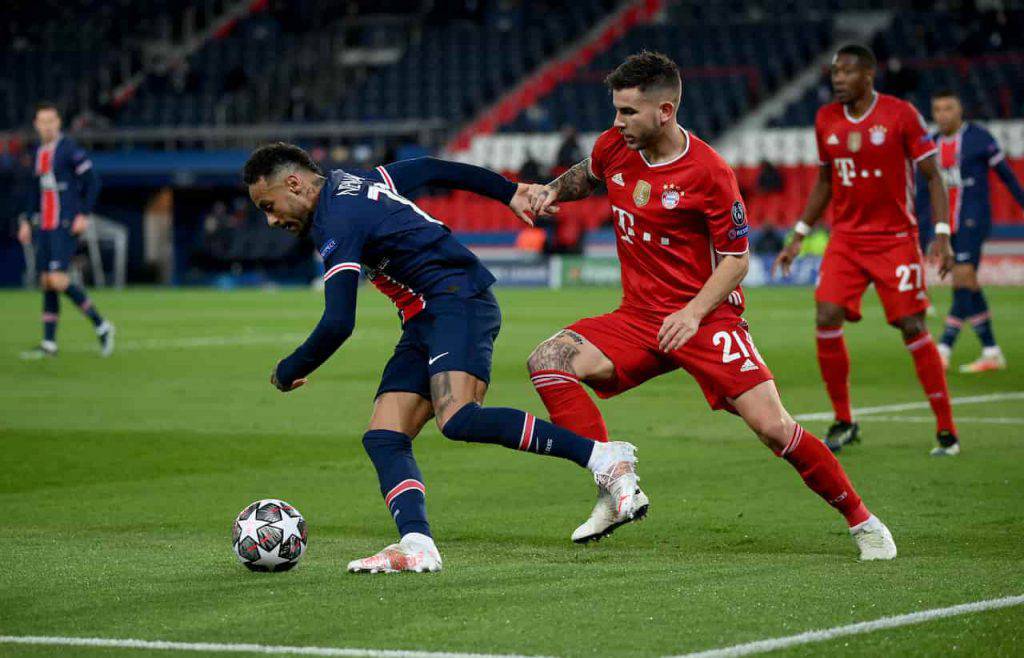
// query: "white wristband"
[[802, 228], [942, 228]]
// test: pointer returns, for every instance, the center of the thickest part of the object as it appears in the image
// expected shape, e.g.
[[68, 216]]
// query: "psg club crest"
[[670, 196], [877, 135], [641, 193], [853, 141]]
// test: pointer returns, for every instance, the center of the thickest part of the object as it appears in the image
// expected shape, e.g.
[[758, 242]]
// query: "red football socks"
[[834, 361], [930, 373], [823, 474], [568, 404]]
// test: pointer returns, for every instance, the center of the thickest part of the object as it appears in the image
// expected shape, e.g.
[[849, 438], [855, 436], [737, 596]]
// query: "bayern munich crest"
[[670, 196], [877, 135]]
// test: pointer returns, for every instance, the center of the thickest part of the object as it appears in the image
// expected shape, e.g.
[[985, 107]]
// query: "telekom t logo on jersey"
[[847, 170], [626, 223]]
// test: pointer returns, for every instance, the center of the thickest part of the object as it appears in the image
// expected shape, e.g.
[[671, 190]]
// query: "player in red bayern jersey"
[[682, 243], [868, 145]]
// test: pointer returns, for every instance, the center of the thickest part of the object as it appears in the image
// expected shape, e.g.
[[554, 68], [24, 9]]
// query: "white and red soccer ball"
[[269, 535]]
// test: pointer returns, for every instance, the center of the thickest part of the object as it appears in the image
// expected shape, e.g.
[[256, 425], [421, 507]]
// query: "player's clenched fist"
[[284, 388], [542, 200], [677, 329]]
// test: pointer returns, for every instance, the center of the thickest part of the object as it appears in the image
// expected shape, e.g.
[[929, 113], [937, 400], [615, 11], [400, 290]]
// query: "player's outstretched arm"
[[941, 250], [578, 182], [818, 200], [334, 328], [406, 176]]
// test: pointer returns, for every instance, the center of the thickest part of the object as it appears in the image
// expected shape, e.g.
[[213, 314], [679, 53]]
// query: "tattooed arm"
[[576, 183]]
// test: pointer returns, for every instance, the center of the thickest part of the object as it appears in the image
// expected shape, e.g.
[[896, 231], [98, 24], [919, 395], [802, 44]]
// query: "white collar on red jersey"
[[871, 108], [686, 149]]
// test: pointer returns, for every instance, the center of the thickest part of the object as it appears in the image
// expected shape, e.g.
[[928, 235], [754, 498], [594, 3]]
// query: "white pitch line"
[[959, 419], [217, 647], [193, 342], [763, 646], [906, 406]]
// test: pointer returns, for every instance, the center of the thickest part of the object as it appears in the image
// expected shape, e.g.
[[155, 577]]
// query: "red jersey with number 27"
[[872, 159], [673, 220]]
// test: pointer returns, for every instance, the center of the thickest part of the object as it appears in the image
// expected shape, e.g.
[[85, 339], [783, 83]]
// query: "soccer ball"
[[269, 535]]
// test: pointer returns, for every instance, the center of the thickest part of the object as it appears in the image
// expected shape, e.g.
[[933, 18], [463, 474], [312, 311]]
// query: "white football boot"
[[415, 552], [991, 359], [945, 354], [874, 540], [619, 497], [105, 332]]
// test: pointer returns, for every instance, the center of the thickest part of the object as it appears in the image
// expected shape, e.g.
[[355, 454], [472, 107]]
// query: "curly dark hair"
[[269, 158], [865, 58], [646, 70]]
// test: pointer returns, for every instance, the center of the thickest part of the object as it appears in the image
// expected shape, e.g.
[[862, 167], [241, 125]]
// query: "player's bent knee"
[[829, 315], [773, 430], [58, 281], [457, 425], [911, 326], [552, 354]]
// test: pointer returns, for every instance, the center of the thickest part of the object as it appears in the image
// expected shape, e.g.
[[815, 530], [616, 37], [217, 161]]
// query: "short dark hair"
[[269, 158], [646, 70], [46, 105], [945, 93], [864, 56]]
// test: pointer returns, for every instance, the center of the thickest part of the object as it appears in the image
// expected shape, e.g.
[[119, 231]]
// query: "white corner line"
[[216, 647], [763, 646], [907, 406]]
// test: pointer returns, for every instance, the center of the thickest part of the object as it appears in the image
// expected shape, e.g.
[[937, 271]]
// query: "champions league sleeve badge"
[[739, 221]]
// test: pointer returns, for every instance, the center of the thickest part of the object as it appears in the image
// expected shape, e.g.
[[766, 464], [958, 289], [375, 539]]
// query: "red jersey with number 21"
[[672, 220], [872, 159]]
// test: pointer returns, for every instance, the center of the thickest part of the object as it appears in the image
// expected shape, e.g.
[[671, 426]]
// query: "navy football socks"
[[960, 310], [981, 319], [51, 313], [517, 430], [83, 302], [401, 483]]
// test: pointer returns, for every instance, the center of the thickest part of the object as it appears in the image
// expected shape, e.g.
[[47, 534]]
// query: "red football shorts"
[[721, 356], [896, 267]]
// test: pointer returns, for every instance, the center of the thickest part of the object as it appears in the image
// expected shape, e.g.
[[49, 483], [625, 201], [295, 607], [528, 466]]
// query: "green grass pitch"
[[120, 479]]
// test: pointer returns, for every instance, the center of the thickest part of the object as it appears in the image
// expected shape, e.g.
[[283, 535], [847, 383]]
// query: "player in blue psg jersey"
[[967, 152], [441, 367], [68, 188]]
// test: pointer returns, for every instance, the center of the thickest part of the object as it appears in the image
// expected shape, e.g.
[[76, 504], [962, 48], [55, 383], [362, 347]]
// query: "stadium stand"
[[980, 54], [191, 86]]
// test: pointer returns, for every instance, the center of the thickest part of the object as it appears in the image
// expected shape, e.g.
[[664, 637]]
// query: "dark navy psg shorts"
[[54, 250], [450, 334], [967, 245]]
